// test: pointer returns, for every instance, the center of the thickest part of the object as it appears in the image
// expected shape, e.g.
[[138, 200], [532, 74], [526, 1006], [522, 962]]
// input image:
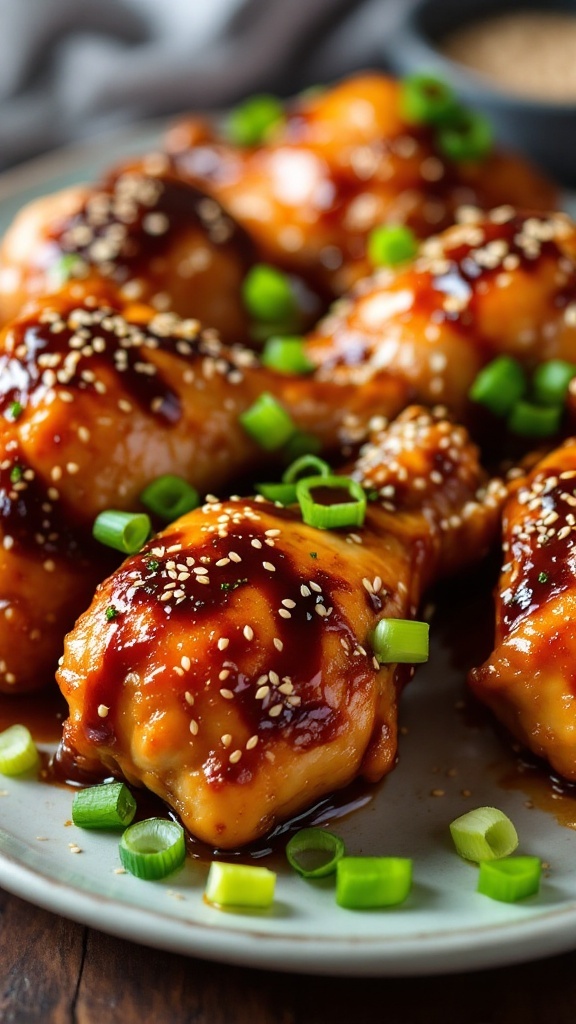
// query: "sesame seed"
[[248, 632], [103, 710], [185, 662], [269, 567], [288, 603], [256, 543], [262, 692], [284, 613], [223, 643], [222, 561], [224, 674], [251, 743], [305, 591], [193, 727], [275, 710], [227, 694], [235, 756], [234, 557], [226, 739], [188, 697], [278, 644]]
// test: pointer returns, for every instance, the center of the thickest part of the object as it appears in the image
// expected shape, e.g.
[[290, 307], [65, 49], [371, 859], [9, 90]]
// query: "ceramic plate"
[[450, 760]]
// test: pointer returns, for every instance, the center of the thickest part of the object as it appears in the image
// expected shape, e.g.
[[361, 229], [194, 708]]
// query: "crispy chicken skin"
[[529, 680], [502, 282], [96, 401], [156, 237], [345, 161], [228, 666]]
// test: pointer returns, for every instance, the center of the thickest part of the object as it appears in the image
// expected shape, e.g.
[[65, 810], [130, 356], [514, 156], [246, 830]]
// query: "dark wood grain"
[[55, 972]]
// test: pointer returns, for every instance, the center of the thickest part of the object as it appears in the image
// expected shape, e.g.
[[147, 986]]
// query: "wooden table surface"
[[54, 971]]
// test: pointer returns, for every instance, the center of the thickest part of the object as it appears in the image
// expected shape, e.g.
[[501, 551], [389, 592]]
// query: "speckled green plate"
[[447, 765]]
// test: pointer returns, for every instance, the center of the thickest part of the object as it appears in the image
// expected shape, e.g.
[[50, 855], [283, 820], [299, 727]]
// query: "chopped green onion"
[[18, 751], [363, 883], [124, 531], [399, 641], [63, 269], [253, 121], [314, 852], [529, 420], [267, 294], [328, 517], [306, 465], [267, 422], [14, 410], [153, 848], [510, 880], [170, 497], [287, 355], [111, 613], [391, 244], [301, 444], [550, 381], [284, 494], [428, 100], [468, 137], [108, 806], [484, 834], [543, 577], [16, 474], [240, 885], [499, 385]]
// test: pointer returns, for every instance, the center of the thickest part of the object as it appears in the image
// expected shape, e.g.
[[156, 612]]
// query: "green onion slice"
[[399, 641], [550, 381], [108, 806], [426, 99], [529, 420], [240, 885], [267, 294], [124, 531], [510, 880], [170, 497], [18, 751], [284, 494], [500, 385], [363, 883], [485, 833], [287, 355], [267, 422], [153, 848], [391, 244], [314, 852], [327, 517], [253, 121], [301, 444], [468, 137], [306, 465]]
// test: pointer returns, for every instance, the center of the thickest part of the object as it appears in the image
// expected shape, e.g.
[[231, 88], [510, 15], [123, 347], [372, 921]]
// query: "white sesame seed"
[[248, 632], [185, 662], [275, 710], [103, 710], [269, 567], [188, 697], [227, 694], [278, 644], [226, 739], [223, 643], [262, 692], [193, 727], [234, 557], [235, 756], [251, 743]]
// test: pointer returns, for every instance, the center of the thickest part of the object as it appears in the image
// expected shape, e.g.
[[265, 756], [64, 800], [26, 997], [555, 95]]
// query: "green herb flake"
[[313, 554], [232, 586], [111, 613], [152, 564], [543, 577], [16, 474]]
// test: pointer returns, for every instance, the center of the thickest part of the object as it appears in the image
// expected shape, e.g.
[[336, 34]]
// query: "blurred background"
[[71, 69]]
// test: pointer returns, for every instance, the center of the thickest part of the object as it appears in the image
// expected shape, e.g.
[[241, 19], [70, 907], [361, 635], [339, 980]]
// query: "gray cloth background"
[[70, 69]]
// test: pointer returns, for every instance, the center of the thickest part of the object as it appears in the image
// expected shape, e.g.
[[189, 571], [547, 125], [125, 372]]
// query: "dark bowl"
[[544, 131]]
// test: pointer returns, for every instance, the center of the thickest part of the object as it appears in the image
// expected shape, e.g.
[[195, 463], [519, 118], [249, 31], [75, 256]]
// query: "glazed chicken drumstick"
[[344, 160], [228, 666], [97, 400], [498, 283], [529, 679], [155, 237]]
